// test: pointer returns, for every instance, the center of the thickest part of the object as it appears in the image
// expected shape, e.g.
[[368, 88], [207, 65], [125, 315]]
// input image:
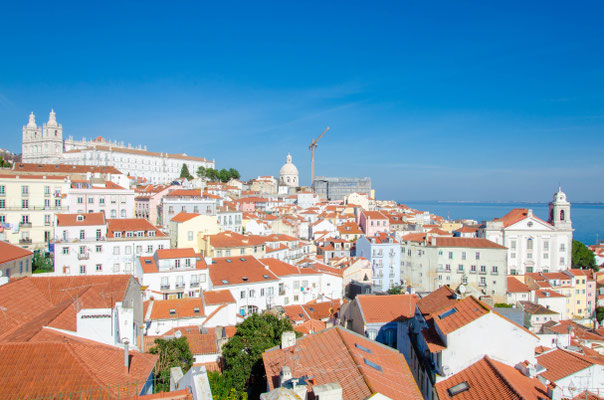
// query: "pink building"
[[374, 222]]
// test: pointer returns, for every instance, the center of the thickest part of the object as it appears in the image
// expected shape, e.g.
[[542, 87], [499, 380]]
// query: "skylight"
[[242, 259], [147, 261], [228, 260], [311, 309], [365, 349], [224, 281], [244, 278], [266, 277], [172, 311], [459, 388], [373, 365], [196, 310], [447, 313]]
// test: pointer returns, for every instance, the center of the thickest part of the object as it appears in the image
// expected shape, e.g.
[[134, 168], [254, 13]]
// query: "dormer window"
[[172, 311], [196, 310], [80, 218], [150, 233], [140, 233], [117, 234], [129, 234]]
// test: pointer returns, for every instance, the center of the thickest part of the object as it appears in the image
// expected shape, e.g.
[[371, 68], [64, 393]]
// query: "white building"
[[106, 197], [288, 176], [533, 244], [89, 244], [185, 200], [452, 261], [173, 274], [384, 254], [46, 145]]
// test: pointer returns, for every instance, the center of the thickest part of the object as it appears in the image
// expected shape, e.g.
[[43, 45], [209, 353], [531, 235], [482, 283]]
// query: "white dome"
[[288, 168]]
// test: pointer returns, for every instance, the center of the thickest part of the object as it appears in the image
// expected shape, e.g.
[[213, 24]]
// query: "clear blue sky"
[[433, 100]]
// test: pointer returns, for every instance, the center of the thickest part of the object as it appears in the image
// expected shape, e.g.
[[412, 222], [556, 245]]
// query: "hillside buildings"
[[45, 145], [330, 188]]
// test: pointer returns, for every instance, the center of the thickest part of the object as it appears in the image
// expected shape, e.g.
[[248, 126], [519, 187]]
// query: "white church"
[[45, 145], [534, 245]]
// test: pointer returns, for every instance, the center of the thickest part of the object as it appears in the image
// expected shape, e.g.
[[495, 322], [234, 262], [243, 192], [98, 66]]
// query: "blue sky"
[[432, 100]]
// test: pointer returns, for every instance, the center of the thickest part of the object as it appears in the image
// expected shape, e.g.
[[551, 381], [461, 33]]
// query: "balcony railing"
[[83, 256], [194, 284], [25, 241], [25, 224], [482, 272], [180, 285], [165, 287], [35, 208]]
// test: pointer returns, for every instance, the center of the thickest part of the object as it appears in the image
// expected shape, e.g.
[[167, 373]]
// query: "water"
[[588, 219]]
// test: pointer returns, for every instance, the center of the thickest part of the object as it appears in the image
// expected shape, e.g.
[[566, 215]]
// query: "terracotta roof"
[[75, 364], [87, 219], [414, 237], [477, 243], [395, 307], [433, 340], [532, 308], [49, 301], [239, 270], [322, 310], [201, 340], [361, 366], [132, 225], [515, 286], [544, 294], [189, 307], [63, 168], [514, 216], [466, 311], [9, 252], [184, 217], [440, 299], [213, 297], [561, 363], [490, 379], [310, 326], [281, 268], [374, 215], [232, 239], [164, 254]]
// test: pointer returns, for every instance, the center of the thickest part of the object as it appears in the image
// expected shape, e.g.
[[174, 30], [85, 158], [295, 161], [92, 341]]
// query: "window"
[[562, 247], [262, 292], [242, 294], [98, 234], [494, 269], [448, 267], [463, 255], [2, 190], [25, 204], [99, 249], [91, 200], [150, 248], [80, 200], [82, 234], [460, 268], [128, 250], [513, 255], [25, 190], [101, 201], [139, 249], [176, 263], [82, 269], [529, 244], [99, 268], [116, 267], [113, 214], [472, 268], [190, 235], [116, 251], [483, 281], [478, 255], [66, 250], [513, 244], [483, 268], [2, 203], [562, 260], [546, 245], [440, 252], [57, 203], [123, 213], [450, 255], [252, 293]]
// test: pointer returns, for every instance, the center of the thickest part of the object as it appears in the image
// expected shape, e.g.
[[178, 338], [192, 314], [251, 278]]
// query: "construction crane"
[[312, 148]]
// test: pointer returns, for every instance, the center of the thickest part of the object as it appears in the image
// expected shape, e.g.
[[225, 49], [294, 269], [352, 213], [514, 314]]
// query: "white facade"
[[288, 175], [46, 145], [385, 259], [533, 244], [115, 202]]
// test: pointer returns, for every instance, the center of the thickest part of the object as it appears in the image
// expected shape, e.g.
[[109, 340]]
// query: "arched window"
[[529, 244], [561, 215]]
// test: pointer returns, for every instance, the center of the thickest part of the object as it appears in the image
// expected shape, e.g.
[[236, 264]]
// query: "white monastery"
[[45, 145]]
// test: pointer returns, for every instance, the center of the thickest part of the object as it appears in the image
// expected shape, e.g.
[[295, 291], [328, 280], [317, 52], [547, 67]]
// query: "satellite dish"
[[177, 334], [462, 289]]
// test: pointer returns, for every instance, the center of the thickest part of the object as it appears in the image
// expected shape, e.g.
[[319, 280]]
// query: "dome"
[[32, 121], [52, 119], [288, 168], [559, 196]]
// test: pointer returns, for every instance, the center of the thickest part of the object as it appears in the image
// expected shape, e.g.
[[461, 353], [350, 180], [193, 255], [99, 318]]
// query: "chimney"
[[328, 391], [285, 375], [433, 241], [126, 355], [529, 213], [288, 339]]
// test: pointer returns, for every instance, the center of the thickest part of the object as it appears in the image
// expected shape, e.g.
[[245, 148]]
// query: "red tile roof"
[[466, 311], [164, 254], [440, 299], [310, 326], [63, 364], [182, 308], [9, 252], [239, 270], [184, 217], [561, 363], [477, 243], [514, 216], [396, 307], [334, 355], [213, 297], [515, 286], [88, 219], [490, 379], [63, 168], [132, 225]]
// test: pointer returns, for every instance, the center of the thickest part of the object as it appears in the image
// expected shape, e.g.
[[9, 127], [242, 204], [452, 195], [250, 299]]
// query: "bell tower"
[[42, 144], [559, 212], [30, 144]]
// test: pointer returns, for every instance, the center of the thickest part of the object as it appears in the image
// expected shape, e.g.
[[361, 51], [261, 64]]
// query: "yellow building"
[[28, 206], [186, 230], [451, 226]]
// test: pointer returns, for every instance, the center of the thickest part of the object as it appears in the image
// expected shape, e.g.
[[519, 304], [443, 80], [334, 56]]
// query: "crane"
[[312, 148]]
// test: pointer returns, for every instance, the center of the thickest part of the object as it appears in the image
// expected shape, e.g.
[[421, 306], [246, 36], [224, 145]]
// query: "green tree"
[[222, 387], [244, 369], [201, 172], [600, 314], [234, 173], [212, 174], [395, 290], [582, 257], [4, 164], [224, 175], [41, 262], [172, 353], [184, 172]]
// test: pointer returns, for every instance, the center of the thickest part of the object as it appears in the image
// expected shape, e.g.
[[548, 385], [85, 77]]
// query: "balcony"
[[180, 285], [494, 272], [281, 292], [24, 224], [24, 194], [83, 256], [25, 241], [194, 284], [460, 271], [165, 286], [482, 273]]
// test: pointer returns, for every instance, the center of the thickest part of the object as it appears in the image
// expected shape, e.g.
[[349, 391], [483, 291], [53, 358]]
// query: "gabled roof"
[[515, 286], [213, 297], [58, 363], [561, 363], [440, 299], [9, 252], [490, 379], [184, 217], [361, 366], [239, 270], [189, 307], [83, 219], [515, 216], [462, 313], [383, 309], [132, 225], [477, 243]]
